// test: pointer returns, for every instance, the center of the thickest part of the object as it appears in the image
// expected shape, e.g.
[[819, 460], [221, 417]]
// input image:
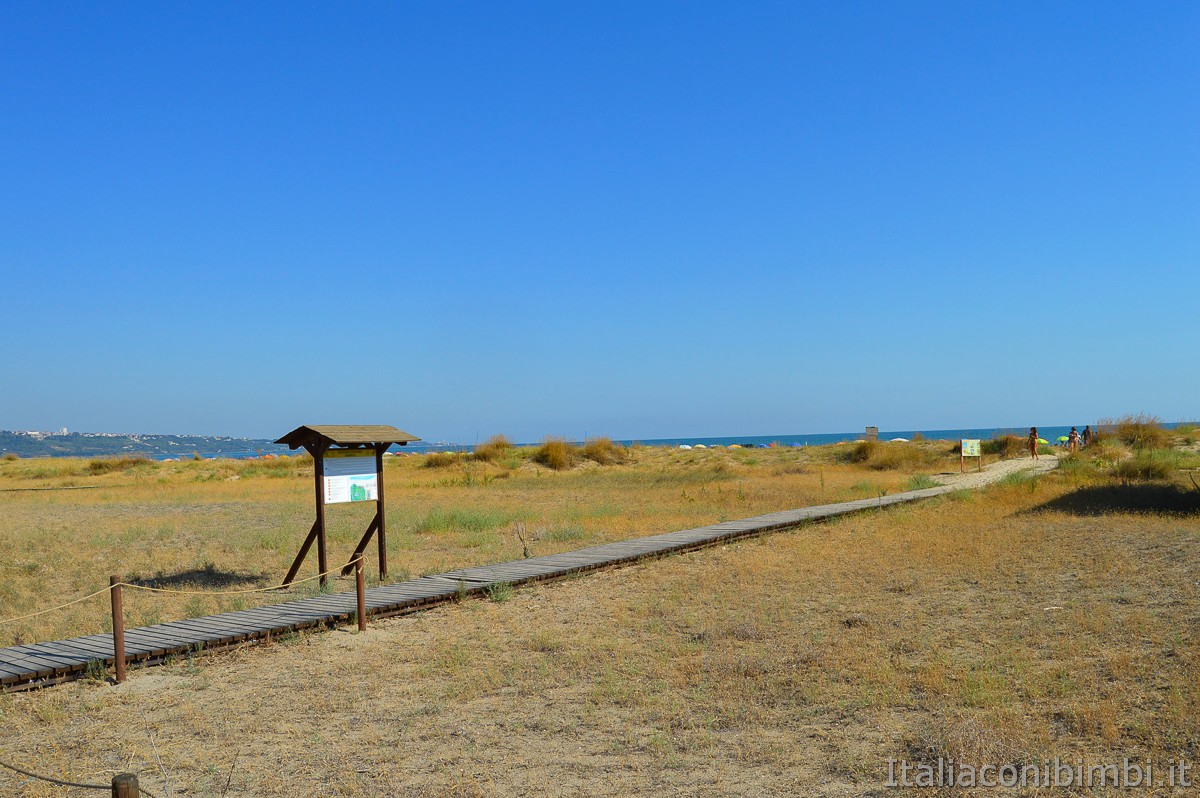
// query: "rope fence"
[[124, 785], [116, 585]]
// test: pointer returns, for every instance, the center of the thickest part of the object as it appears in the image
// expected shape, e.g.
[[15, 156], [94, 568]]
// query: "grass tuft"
[[495, 448], [556, 453], [921, 482], [107, 465], [1145, 465], [1006, 446], [1140, 431], [604, 451], [883, 456], [441, 459]]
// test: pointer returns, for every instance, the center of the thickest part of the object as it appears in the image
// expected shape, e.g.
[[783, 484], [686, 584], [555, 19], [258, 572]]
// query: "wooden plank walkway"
[[42, 664]]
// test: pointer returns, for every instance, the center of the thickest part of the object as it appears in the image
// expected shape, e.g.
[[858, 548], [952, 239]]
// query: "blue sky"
[[626, 219]]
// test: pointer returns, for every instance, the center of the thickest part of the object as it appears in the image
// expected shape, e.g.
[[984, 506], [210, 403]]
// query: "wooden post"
[[118, 636], [125, 785], [360, 589], [379, 514], [318, 455]]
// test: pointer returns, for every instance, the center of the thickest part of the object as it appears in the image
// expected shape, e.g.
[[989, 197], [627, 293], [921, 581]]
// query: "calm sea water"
[[811, 439]]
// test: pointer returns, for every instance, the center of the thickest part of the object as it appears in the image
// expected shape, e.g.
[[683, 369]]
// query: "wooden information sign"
[[347, 467], [969, 448]]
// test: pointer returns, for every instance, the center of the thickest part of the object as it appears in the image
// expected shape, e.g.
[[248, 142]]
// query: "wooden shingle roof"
[[326, 435]]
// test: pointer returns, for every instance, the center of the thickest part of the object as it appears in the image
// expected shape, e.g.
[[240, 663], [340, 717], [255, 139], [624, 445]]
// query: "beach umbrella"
[[1042, 440], [1062, 438], [898, 440]]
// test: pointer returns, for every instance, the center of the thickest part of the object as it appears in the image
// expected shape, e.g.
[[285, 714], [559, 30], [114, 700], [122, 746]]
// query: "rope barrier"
[[236, 592], [179, 592], [52, 609], [62, 783]]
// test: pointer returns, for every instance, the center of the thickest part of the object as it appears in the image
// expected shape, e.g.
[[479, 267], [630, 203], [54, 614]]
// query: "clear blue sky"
[[631, 219]]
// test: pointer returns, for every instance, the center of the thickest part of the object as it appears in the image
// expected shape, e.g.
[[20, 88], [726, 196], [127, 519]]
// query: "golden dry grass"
[[1006, 626], [229, 524]]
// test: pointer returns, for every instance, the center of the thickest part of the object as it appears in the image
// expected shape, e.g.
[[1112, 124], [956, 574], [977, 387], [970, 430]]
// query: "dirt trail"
[[993, 472]]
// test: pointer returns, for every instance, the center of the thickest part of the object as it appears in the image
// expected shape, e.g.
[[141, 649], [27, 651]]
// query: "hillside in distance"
[[108, 444]]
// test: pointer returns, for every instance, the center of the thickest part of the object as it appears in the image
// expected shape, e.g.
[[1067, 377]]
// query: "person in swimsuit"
[[1073, 441], [1033, 442]]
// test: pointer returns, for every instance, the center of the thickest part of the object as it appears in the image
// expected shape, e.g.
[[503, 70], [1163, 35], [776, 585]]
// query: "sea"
[[1051, 433]]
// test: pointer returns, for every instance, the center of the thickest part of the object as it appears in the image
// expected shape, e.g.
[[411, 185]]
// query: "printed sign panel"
[[350, 476], [970, 448]]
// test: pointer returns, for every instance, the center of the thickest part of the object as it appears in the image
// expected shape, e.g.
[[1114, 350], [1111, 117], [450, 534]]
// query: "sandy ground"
[[994, 472]]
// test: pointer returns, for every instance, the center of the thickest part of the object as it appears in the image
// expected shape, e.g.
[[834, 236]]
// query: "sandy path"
[[993, 472]]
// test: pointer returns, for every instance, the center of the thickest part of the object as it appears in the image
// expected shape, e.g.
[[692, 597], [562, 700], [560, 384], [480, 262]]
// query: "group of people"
[[1075, 439]]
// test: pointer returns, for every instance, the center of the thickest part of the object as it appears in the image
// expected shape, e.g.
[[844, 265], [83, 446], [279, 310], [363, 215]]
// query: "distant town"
[[64, 443]]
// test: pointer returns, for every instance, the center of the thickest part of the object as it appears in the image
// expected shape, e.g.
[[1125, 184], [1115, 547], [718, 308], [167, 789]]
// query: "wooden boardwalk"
[[43, 664]]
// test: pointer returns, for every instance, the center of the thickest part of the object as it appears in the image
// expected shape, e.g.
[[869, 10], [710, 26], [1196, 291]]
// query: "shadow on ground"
[[209, 576], [1160, 498]]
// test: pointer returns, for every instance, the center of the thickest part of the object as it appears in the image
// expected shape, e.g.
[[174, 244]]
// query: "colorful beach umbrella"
[[1062, 438], [1042, 440]]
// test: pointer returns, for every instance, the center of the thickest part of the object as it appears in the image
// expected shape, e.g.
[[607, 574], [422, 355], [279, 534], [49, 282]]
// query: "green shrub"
[[556, 453], [1188, 431], [604, 451], [1143, 466], [464, 520], [495, 448], [499, 592], [921, 482]]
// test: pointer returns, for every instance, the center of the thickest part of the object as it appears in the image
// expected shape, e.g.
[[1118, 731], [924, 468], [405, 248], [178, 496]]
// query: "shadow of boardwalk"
[[1158, 498], [207, 577]]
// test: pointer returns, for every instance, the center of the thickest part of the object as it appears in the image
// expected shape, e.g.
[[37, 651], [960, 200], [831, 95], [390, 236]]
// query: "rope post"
[[125, 785], [118, 636], [360, 589]]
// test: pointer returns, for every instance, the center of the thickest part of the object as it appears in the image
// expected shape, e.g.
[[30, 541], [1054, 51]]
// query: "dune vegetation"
[[67, 524], [1041, 617]]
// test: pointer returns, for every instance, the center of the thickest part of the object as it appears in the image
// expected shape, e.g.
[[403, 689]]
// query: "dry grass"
[[604, 451], [1139, 431], [556, 453], [495, 448], [238, 524], [106, 465], [1006, 626], [883, 456], [1006, 446], [442, 459]]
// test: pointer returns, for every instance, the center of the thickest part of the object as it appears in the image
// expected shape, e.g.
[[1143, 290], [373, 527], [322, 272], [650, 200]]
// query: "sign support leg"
[[319, 473], [308, 541], [379, 515], [362, 545]]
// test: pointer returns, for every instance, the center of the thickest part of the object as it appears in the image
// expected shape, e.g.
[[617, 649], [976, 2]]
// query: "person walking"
[[1073, 441], [1033, 442], [1087, 435]]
